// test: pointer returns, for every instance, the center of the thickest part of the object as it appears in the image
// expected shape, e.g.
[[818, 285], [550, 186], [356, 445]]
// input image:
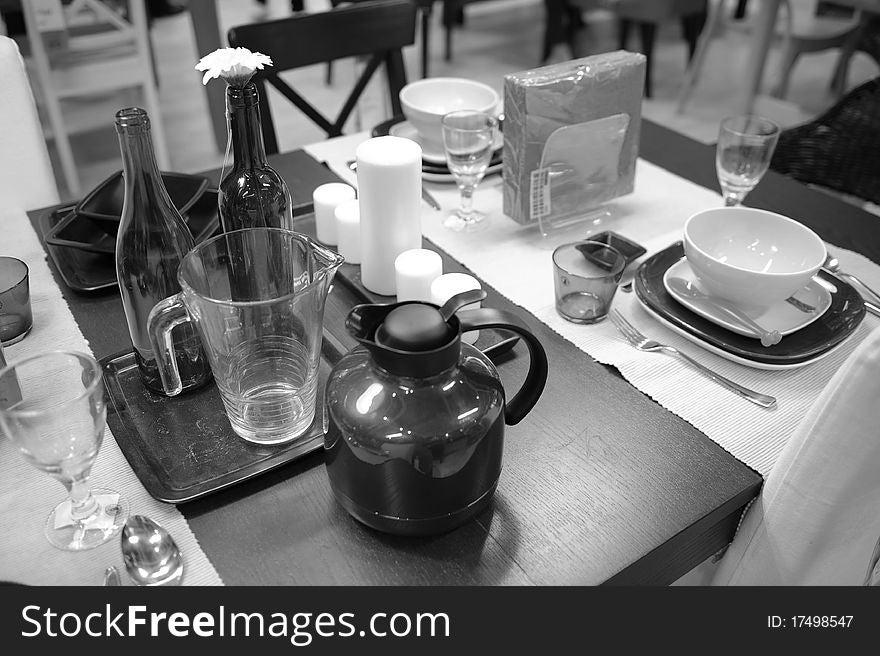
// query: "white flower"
[[235, 65]]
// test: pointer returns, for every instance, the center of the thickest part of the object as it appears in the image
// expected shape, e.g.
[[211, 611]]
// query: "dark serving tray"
[[183, 448]]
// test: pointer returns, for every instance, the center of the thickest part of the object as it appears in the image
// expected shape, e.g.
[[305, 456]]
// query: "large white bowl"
[[753, 258], [426, 102]]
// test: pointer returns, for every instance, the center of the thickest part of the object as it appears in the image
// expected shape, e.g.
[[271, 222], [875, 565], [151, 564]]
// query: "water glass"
[[468, 141], [53, 410], [742, 156], [586, 275], [256, 297], [16, 319]]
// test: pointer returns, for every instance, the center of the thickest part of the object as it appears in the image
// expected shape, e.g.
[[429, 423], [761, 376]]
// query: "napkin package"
[[571, 136]]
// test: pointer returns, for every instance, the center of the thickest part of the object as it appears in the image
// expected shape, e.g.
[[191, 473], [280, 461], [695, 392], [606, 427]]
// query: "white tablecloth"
[[27, 495], [517, 263]]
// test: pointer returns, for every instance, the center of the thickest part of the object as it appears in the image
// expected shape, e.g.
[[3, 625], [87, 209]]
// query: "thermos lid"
[[414, 327]]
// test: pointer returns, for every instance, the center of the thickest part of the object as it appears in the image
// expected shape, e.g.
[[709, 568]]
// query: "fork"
[[642, 343]]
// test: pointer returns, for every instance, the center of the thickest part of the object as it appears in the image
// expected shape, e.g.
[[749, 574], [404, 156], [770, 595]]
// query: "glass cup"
[[742, 156], [586, 275], [468, 141], [53, 410], [256, 297], [16, 319]]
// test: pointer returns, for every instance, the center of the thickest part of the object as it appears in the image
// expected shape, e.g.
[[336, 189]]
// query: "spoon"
[[685, 288], [832, 265], [111, 576], [150, 554]]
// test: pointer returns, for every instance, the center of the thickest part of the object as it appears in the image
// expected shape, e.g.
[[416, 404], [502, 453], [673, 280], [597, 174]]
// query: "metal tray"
[[184, 448]]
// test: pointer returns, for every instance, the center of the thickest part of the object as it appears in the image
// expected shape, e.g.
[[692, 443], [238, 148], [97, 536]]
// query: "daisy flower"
[[235, 65]]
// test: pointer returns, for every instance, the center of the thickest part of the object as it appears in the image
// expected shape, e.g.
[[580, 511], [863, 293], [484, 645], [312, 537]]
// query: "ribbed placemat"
[[516, 261], [27, 495]]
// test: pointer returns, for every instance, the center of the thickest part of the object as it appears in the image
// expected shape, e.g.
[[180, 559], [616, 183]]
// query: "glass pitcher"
[[256, 297]]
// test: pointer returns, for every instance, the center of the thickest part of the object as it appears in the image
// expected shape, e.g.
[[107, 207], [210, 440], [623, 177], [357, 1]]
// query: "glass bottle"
[[252, 194], [151, 242]]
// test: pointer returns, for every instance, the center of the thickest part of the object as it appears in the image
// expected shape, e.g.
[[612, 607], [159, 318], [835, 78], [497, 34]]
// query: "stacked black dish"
[[83, 237]]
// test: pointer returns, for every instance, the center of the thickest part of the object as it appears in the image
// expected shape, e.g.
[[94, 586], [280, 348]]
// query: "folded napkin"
[[817, 519], [26, 178]]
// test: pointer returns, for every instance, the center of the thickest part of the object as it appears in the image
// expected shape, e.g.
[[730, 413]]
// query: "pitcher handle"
[[164, 317], [527, 396]]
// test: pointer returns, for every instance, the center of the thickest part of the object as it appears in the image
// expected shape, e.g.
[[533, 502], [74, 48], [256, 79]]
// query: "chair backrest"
[[26, 178], [376, 29], [838, 149], [817, 518]]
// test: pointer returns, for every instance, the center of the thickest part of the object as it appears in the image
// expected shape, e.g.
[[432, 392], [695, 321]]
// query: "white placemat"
[[27, 495], [517, 262]]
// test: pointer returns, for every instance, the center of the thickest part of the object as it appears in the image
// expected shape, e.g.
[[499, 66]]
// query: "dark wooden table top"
[[600, 484]]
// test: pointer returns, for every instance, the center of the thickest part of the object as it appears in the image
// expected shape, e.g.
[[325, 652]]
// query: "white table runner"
[[517, 262], [27, 495]]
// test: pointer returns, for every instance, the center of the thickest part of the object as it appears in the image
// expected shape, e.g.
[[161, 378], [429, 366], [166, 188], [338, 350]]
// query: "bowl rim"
[[752, 210], [476, 83]]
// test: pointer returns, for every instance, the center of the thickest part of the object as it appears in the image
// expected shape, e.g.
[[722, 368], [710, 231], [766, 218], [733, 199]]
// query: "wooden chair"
[[88, 48], [562, 20], [800, 29], [379, 30]]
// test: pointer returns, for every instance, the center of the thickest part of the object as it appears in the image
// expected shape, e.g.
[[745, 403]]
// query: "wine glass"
[[52, 408], [745, 148], [468, 141]]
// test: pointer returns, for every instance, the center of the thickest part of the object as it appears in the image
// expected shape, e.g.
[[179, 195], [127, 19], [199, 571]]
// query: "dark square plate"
[[627, 247], [838, 322], [103, 204], [78, 231], [183, 448], [430, 167]]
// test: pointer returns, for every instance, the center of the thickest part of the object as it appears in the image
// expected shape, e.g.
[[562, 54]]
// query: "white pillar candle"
[[348, 230], [415, 270], [325, 198], [448, 285], [389, 173]]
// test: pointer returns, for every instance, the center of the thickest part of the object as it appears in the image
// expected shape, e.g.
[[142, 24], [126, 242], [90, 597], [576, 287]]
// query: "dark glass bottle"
[[252, 194], [150, 244]]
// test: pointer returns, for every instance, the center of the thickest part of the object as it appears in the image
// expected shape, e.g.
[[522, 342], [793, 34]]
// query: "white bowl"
[[753, 258], [426, 102]]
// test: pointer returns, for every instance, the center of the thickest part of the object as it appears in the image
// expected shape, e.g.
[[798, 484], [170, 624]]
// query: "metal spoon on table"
[[426, 195], [686, 289], [150, 554], [832, 266]]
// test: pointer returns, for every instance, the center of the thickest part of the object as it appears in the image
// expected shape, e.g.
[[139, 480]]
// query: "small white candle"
[[389, 173], [325, 198], [448, 285], [348, 230], [415, 270]]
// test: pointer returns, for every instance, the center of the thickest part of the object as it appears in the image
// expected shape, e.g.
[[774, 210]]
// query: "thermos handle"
[[164, 316], [527, 396]]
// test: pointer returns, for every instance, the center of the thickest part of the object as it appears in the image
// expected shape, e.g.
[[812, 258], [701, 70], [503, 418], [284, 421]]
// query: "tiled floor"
[[498, 37]]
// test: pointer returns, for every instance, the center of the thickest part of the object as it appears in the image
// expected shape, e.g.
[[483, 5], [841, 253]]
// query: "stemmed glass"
[[52, 408], [468, 140], [745, 148]]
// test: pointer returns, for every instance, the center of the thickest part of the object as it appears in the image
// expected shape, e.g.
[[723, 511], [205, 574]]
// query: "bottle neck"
[[243, 111], [139, 167]]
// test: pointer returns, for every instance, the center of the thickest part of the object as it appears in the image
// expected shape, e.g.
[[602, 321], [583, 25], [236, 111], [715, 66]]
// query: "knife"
[[426, 195]]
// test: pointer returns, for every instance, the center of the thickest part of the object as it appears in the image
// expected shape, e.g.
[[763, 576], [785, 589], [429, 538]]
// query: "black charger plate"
[[839, 321], [77, 231], [429, 166]]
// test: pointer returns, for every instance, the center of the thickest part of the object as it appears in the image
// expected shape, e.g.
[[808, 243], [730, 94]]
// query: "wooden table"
[[600, 484]]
